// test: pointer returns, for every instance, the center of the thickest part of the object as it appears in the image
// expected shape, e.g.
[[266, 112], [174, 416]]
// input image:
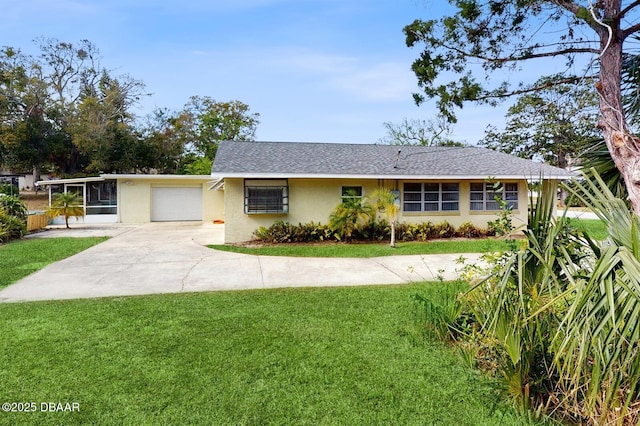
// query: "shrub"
[[373, 231], [13, 218], [469, 230], [416, 231], [11, 227], [13, 206], [285, 232], [444, 230], [8, 189]]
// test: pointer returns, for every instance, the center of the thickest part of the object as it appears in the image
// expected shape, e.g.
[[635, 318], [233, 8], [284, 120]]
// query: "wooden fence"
[[36, 221]]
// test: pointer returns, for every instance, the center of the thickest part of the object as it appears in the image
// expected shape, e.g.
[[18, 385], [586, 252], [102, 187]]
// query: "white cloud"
[[359, 77]]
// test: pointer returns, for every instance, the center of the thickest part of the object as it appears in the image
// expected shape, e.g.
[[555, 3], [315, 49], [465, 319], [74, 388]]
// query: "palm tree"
[[67, 204], [386, 202], [351, 213]]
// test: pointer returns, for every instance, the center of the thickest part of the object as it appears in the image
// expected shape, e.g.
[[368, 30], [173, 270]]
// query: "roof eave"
[[254, 175]]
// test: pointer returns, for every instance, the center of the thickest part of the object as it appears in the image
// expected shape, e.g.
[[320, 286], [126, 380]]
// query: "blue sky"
[[315, 70]]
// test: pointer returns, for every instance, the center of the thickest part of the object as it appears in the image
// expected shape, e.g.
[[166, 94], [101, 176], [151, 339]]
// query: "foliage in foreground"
[[557, 320], [292, 356], [13, 218]]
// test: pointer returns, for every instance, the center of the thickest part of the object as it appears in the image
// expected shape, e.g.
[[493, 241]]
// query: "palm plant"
[[349, 215], [598, 339], [512, 306], [67, 204], [598, 159], [13, 206], [13, 218], [386, 202]]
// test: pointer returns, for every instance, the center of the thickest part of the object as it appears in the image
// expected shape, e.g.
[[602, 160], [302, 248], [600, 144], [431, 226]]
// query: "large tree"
[[433, 132], [102, 124], [25, 131], [204, 122], [555, 124], [497, 35], [63, 111]]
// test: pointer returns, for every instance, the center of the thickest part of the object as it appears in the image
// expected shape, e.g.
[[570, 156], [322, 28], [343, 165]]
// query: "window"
[[483, 196], [351, 192], [102, 197], [266, 196], [431, 197]]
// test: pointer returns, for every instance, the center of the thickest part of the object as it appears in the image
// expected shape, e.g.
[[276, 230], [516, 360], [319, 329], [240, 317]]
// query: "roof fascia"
[[71, 180], [385, 177]]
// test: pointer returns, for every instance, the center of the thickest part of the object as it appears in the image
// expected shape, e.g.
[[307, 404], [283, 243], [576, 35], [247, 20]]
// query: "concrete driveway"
[[173, 257]]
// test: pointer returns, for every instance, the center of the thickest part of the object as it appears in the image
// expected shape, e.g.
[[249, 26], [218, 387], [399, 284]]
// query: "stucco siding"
[[134, 201], [314, 200], [213, 204], [310, 200], [134, 198]]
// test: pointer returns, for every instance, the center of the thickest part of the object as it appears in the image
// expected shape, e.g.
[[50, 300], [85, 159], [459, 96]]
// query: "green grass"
[[348, 356], [23, 257], [370, 250], [596, 228]]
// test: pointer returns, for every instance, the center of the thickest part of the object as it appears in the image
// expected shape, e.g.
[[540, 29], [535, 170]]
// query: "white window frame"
[[430, 195], [346, 188], [264, 204], [485, 198]]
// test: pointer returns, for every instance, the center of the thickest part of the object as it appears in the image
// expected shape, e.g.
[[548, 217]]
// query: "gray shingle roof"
[[294, 159]]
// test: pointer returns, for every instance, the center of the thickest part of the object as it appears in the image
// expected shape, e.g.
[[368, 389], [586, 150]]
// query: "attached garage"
[[140, 198], [170, 204]]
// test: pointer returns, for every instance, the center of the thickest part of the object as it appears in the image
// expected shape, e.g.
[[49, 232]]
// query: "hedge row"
[[285, 232]]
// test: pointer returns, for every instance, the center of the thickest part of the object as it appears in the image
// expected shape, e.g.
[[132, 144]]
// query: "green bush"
[[469, 230], [13, 206], [11, 227], [373, 231], [416, 231], [13, 218], [445, 230], [285, 232], [8, 189]]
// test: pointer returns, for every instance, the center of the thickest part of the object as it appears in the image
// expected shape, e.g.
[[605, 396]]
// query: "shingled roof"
[[296, 159]]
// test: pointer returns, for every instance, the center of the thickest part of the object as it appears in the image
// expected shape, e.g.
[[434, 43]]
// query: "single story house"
[[141, 198], [303, 182]]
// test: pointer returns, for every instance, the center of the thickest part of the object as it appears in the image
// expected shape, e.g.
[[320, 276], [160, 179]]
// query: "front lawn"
[[596, 228], [23, 257], [292, 356], [331, 249]]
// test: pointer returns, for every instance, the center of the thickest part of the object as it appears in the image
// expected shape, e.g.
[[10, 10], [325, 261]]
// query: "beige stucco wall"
[[134, 198], [314, 199], [310, 200]]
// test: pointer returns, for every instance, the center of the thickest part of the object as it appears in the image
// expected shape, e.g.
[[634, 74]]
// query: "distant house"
[[303, 182]]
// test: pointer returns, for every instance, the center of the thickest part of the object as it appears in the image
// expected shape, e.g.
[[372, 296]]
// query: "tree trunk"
[[36, 178], [623, 146], [393, 234]]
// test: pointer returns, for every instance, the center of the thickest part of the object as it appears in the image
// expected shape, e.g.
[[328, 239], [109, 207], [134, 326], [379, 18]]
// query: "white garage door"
[[175, 204]]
